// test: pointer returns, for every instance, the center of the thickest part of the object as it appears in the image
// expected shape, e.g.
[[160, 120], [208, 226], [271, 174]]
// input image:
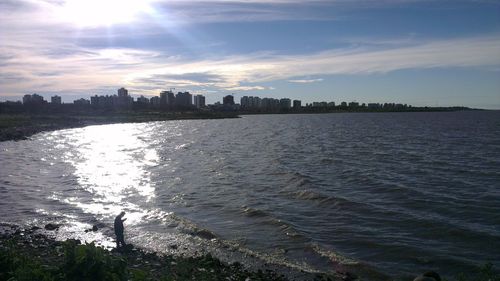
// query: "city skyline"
[[168, 100], [419, 52]]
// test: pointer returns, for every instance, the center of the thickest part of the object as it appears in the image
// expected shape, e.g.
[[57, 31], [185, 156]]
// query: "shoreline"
[[15, 127], [37, 249]]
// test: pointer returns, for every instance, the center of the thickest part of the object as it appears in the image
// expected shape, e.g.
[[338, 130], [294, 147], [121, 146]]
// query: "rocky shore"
[[28, 254]]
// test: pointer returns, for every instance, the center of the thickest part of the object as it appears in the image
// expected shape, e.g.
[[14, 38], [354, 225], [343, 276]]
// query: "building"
[[167, 99], [245, 102], [297, 104], [250, 102], [270, 103], [33, 99], [183, 99], [228, 100], [199, 101], [81, 102], [353, 104], [285, 103], [255, 102], [103, 101], [374, 105], [322, 104], [142, 100], [154, 101], [55, 99], [122, 92]]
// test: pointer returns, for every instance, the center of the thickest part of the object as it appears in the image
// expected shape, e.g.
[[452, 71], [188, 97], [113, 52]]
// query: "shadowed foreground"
[[25, 255]]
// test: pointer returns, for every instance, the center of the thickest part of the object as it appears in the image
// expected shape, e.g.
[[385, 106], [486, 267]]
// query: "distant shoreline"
[[15, 127], [21, 126]]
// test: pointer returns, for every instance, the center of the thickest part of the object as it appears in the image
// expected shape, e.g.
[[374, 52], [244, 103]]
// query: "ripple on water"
[[400, 193]]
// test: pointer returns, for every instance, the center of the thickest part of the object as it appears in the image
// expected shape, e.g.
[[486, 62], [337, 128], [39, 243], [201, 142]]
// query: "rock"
[[428, 276], [94, 228], [203, 233], [34, 228], [51, 226]]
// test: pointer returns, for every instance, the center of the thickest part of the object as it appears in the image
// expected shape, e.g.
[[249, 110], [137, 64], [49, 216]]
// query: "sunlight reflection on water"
[[111, 163]]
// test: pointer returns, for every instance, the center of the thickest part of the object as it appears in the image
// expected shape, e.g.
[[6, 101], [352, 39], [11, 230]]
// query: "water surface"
[[400, 193]]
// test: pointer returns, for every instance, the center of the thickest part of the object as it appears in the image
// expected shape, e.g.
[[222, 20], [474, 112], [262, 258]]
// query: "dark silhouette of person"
[[119, 230]]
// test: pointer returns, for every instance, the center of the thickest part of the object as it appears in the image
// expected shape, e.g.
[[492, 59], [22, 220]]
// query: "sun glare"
[[103, 12]]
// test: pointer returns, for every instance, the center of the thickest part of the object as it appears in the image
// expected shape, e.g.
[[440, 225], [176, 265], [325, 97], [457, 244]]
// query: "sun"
[[92, 13]]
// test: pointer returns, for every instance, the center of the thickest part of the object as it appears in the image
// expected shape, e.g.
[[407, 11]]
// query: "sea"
[[384, 195]]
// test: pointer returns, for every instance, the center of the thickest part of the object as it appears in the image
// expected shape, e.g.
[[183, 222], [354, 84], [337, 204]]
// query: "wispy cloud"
[[305, 81], [149, 71], [45, 53]]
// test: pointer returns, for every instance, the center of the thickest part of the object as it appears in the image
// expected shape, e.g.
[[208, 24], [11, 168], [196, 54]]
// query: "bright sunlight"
[[90, 13]]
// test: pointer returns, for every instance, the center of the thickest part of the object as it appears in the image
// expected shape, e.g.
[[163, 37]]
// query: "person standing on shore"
[[120, 239]]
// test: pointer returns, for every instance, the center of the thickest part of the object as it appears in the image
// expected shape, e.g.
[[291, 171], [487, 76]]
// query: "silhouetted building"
[[122, 92], [285, 103], [155, 101], [322, 104], [33, 99], [167, 99], [199, 101], [142, 100], [297, 104], [245, 102], [183, 99], [353, 104], [55, 99], [255, 102], [123, 100], [228, 100], [108, 102], [250, 102], [270, 103], [81, 102]]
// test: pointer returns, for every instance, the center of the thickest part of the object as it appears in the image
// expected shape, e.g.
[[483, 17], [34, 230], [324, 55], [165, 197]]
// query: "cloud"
[[303, 81], [150, 71], [41, 54], [246, 88]]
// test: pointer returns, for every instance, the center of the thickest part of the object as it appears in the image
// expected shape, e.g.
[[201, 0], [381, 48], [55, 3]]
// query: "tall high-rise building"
[[285, 103], [245, 102], [183, 99], [228, 100], [199, 101], [297, 104], [122, 92], [167, 99], [123, 100]]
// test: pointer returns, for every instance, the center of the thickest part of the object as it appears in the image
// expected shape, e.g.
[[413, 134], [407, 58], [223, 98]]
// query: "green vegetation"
[[72, 261], [485, 273], [26, 255]]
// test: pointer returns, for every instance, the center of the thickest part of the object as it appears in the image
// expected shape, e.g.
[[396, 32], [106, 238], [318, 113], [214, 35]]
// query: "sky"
[[418, 52]]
